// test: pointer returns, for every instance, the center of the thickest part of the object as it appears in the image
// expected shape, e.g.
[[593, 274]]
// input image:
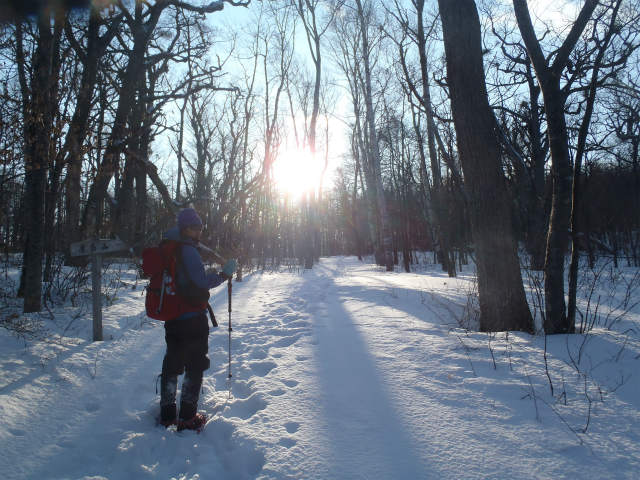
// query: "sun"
[[296, 172]]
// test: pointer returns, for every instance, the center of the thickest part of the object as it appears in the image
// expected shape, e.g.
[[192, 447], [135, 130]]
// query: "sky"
[[294, 179]]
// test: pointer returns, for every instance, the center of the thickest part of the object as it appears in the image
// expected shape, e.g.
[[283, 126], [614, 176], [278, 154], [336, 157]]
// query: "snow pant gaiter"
[[191, 386], [168, 388]]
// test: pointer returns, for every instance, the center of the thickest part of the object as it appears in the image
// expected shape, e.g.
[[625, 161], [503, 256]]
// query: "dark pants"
[[187, 348]]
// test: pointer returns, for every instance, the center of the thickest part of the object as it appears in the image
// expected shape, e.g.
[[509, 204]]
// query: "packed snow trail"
[[339, 372], [351, 401]]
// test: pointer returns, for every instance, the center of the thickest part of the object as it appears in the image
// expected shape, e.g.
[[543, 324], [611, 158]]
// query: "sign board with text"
[[98, 246]]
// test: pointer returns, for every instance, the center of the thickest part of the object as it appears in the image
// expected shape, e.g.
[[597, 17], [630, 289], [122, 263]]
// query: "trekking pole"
[[229, 288]]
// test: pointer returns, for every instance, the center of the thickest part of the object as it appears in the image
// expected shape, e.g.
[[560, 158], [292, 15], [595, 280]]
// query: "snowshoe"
[[196, 423]]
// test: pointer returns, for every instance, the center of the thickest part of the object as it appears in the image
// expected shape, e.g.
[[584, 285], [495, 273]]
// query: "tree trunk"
[[558, 236], [55, 163], [38, 122], [503, 305]]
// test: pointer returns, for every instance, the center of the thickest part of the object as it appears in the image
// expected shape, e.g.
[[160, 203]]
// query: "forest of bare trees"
[[503, 133]]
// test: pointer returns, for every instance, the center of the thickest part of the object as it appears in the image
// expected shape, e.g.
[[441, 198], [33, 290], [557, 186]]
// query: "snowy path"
[[341, 372]]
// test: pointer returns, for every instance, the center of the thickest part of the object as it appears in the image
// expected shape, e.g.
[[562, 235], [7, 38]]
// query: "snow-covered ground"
[[340, 372]]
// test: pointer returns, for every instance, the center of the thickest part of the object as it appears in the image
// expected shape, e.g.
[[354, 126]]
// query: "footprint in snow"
[[261, 369], [259, 354], [292, 427], [240, 455], [241, 390], [298, 325], [260, 340], [247, 408], [286, 342]]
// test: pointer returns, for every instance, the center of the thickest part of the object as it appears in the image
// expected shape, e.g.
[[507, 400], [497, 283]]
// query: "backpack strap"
[[214, 323], [171, 249]]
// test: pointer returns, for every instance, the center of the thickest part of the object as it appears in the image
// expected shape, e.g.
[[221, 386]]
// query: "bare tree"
[[309, 12], [503, 305], [89, 56], [559, 76], [348, 59], [549, 71], [364, 12], [601, 70], [142, 23], [420, 89]]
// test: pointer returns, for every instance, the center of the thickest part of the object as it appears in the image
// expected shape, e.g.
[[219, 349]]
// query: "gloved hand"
[[229, 267]]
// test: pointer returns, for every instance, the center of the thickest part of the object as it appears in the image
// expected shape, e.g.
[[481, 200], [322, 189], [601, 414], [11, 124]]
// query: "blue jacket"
[[192, 266]]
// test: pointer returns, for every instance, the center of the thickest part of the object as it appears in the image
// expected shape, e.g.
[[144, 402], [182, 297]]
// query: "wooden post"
[[96, 248]]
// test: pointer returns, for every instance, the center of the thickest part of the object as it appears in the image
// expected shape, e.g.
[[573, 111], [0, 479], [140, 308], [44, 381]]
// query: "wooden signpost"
[[96, 248]]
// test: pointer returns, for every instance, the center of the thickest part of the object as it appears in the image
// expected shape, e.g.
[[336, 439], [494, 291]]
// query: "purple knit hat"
[[188, 218]]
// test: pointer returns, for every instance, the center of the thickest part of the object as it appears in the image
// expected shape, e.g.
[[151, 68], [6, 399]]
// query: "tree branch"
[[529, 37], [569, 43], [212, 7]]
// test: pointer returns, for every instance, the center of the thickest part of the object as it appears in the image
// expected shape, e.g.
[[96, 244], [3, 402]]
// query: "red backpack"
[[159, 265], [164, 300]]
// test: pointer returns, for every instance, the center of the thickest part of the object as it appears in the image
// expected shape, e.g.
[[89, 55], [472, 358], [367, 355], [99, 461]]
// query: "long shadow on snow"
[[364, 429]]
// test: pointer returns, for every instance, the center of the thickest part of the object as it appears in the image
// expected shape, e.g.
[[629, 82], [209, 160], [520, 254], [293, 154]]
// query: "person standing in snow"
[[187, 336]]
